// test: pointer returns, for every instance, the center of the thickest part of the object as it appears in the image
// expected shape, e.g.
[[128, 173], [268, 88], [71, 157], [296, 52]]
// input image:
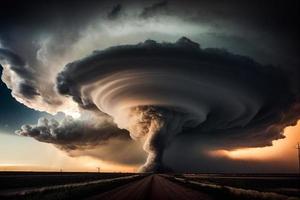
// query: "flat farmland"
[[118, 186]]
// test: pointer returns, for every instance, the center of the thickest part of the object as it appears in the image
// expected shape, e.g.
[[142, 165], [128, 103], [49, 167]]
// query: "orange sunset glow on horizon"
[[283, 150]]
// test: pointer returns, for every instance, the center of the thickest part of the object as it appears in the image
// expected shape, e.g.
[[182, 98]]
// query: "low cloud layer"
[[73, 133], [95, 136]]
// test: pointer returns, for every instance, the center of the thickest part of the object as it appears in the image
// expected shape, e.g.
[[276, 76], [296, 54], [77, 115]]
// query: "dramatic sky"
[[203, 86]]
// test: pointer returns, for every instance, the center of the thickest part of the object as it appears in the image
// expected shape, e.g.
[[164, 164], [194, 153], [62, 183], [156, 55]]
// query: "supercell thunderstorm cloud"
[[148, 95], [157, 91]]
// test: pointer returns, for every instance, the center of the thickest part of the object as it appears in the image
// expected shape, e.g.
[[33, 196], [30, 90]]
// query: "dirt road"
[[152, 187]]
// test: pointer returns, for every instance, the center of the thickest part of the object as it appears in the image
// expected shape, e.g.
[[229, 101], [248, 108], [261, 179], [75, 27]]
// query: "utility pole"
[[98, 168], [298, 148]]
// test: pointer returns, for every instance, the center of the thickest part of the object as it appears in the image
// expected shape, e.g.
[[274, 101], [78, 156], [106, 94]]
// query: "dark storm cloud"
[[195, 158], [195, 92], [16, 13], [28, 90], [18, 65], [153, 9], [115, 12], [266, 26], [35, 21], [282, 17], [11, 57]]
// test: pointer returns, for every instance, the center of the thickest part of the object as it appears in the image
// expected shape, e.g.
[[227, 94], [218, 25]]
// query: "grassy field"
[[45, 185], [244, 186], [70, 185], [31, 179]]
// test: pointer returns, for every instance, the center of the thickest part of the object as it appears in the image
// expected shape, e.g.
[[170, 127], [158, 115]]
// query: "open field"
[[46, 185], [32, 179], [288, 184], [244, 186]]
